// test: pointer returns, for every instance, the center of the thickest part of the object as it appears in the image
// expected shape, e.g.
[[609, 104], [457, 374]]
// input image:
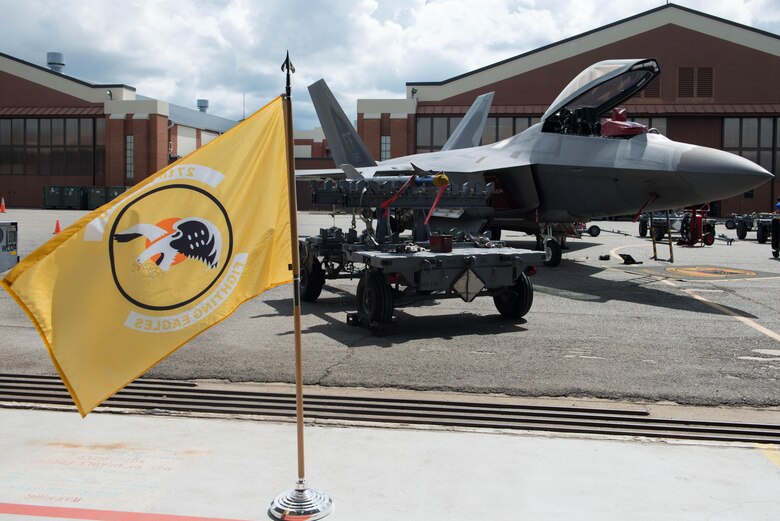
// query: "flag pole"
[[302, 501]]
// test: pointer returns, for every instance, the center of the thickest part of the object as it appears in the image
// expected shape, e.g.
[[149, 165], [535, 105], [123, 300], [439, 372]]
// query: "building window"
[[753, 138], [653, 89], [685, 82], [704, 82], [129, 153], [384, 148], [496, 129], [695, 82], [432, 132], [657, 123], [52, 146], [499, 129]]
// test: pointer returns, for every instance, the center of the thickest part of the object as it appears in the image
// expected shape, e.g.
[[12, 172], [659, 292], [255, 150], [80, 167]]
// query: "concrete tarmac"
[[57, 466]]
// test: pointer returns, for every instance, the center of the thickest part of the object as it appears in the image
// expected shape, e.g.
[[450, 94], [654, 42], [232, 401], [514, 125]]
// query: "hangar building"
[[56, 130], [718, 88]]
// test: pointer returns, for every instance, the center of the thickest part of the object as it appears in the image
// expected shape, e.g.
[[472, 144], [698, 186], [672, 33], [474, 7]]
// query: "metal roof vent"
[[55, 61], [203, 105]]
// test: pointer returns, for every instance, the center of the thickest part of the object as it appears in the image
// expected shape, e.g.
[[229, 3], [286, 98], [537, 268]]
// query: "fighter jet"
[[582, 161]]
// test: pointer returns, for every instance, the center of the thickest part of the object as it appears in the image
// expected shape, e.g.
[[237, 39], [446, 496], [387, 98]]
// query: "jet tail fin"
[[469, 131], [346, 147]]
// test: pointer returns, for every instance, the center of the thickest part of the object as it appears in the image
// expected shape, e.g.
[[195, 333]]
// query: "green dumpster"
[[52, 196], [72, 197], [114, 192], [96, 196]]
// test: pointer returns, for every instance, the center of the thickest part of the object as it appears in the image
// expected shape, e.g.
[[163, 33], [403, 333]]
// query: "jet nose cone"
[[719, 174]]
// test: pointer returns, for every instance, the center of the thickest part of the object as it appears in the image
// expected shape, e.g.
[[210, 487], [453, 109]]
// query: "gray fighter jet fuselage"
[[569, 167]]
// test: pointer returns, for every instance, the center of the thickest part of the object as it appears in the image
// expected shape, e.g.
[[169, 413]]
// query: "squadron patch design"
[[193, 238], [170, 246]]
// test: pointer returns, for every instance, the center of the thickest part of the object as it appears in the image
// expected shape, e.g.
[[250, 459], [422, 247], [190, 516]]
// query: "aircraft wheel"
[[761, 234], [775, 253], [742, 231], [594, 231], [708, 239], [515, 301], [552, 253], [374, 299], [730, 225], [312, 281], [642, 229]]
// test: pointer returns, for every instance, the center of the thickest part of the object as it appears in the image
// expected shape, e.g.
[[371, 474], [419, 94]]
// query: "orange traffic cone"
[[57, 227], [2, 204]]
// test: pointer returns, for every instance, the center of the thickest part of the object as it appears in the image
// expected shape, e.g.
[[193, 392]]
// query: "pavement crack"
[[331, 368]]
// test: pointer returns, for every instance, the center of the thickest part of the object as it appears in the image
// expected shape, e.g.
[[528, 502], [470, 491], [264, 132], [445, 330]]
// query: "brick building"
[[718, 88], [59, 130]]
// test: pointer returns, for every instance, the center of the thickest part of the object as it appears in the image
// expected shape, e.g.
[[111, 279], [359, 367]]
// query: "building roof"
[[122, 100], [62, 75], [605, 35]]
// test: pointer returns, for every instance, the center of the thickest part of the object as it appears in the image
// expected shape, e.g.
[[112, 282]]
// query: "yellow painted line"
[[758, 327], [772, 452]]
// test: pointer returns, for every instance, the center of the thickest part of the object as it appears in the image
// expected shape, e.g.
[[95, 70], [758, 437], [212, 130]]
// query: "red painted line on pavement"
[[96, 515]]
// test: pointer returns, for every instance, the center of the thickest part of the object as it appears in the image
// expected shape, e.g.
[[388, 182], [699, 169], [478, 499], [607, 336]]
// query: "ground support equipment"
[[396, 269], [761, 223]]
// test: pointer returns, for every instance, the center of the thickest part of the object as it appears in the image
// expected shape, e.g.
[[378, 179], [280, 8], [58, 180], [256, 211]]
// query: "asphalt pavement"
[[595, 329]]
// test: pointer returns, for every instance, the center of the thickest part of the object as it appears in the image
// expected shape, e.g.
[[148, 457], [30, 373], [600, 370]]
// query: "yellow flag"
[[134, 280]]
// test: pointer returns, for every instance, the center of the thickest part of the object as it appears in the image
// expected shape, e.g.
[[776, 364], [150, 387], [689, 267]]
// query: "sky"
[[230, 51]]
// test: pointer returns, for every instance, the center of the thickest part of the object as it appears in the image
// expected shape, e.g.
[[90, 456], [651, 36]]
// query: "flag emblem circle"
[[175, 252]]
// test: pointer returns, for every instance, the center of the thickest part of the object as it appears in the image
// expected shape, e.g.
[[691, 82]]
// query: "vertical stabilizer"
[[346, 147], [469, 131]]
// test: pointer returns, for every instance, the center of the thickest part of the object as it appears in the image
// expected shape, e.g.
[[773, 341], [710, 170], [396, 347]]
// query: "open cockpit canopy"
[[600, 88]]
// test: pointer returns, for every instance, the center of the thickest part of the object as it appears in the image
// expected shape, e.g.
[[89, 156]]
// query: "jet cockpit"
[[597, 90]]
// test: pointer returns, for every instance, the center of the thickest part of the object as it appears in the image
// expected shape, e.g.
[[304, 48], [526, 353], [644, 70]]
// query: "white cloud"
[[182, 50]]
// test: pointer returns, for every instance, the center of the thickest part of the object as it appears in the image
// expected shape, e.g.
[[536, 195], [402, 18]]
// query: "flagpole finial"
[[288, 68]]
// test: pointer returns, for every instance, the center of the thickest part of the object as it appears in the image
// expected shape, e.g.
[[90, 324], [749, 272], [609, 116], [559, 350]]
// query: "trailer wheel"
[[594, 231], [312, 280], [552, 253], [374, 299], [730, 224], [709, 239], [742, 231], [761, 234], [642, 228], [515, 301]]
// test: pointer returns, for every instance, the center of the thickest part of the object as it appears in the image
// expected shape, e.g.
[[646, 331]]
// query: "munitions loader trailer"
[[397, 269]]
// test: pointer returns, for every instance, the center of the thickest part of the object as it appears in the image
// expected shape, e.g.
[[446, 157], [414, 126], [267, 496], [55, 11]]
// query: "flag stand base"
[[301, 501]]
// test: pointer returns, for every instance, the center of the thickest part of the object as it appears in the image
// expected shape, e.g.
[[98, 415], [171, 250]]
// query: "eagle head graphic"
[[194, 238]]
